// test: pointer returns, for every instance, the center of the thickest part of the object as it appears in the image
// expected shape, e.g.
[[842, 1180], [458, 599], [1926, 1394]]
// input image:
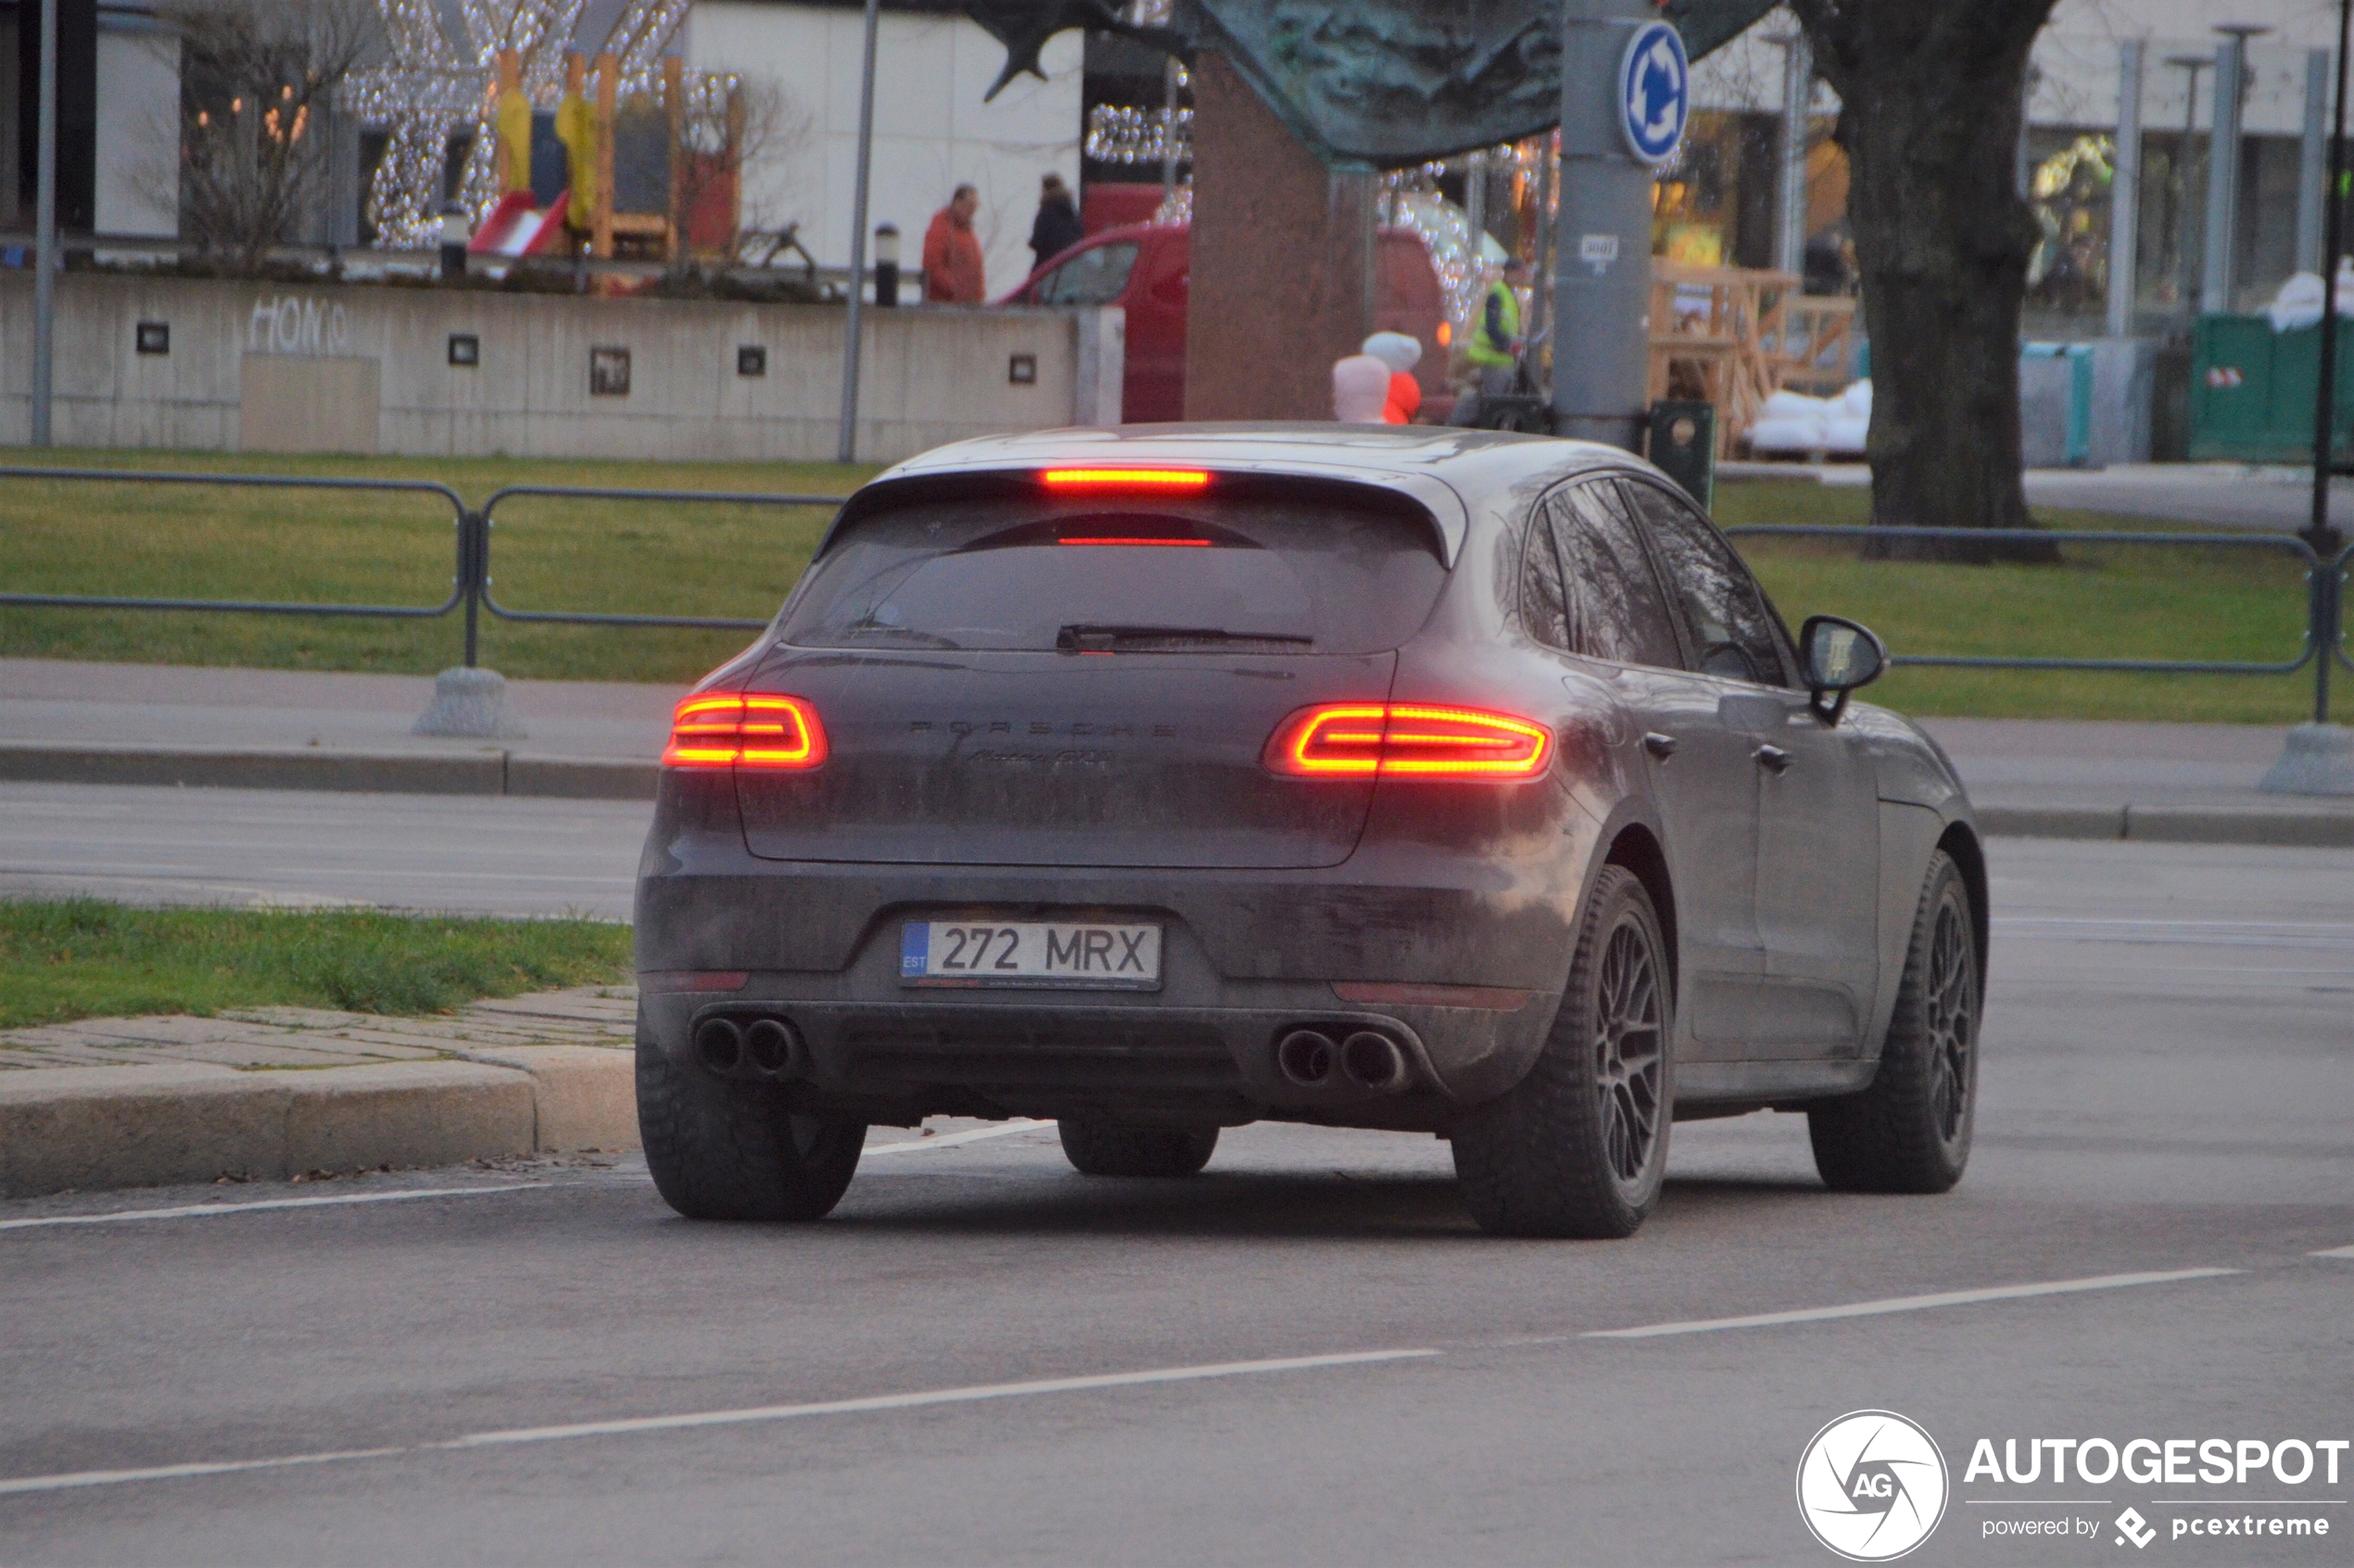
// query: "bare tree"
[[730, 136], [257, 82], [1931, 110]]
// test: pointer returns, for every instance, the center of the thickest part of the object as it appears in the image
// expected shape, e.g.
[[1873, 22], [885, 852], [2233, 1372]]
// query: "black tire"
[[1104, 1149], [1910, 1132], [1579, 1147], [723, 1149]]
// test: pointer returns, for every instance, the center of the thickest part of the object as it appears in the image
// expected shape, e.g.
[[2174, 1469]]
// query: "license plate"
[[1079, 954]]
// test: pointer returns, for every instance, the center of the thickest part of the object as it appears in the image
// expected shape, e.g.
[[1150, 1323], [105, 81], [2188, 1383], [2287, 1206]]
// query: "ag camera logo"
[[1872, 1485]]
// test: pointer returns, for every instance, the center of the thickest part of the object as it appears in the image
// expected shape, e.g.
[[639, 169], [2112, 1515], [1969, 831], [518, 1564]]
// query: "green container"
[[1683, 447], [2252, 391]]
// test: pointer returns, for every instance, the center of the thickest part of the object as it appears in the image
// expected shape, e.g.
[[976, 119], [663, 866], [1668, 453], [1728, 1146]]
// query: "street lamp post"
[[846, 449], [2318, 531], [2319, 757], [44, 229]]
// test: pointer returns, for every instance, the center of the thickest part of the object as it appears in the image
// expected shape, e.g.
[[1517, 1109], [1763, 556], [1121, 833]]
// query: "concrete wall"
[[929, 376], [931, 129]]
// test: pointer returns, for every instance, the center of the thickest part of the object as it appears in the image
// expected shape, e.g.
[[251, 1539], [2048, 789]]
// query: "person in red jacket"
[[952, 266], [1401, 352]]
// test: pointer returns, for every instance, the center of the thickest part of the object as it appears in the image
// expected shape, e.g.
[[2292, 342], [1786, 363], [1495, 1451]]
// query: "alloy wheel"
[[1952, 1017], [1629, 1054]]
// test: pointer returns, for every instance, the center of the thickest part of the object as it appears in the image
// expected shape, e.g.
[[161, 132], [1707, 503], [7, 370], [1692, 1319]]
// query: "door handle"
[[1658, 745], [1773, 759]]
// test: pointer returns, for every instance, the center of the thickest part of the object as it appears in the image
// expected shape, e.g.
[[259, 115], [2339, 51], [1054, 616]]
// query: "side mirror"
[[1838, 656]]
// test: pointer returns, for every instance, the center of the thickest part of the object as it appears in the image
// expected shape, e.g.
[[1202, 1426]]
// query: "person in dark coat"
[[1057, 227]]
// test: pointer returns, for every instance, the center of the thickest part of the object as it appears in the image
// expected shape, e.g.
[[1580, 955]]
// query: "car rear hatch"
[[1087, 673]]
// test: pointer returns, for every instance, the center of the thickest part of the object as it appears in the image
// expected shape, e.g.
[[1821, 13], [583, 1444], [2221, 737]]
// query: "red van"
[[1145, 267]]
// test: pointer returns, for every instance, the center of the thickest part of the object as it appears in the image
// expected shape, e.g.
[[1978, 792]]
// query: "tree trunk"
[[1930, 116]]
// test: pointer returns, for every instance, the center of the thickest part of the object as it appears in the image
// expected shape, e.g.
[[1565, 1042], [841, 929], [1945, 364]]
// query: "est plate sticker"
[[1081, 953]]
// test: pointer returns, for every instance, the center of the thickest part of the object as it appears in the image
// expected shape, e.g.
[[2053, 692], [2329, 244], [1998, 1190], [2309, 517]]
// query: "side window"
[[1092, 277], [1614, 606], [1544, 607], [1729, 626]]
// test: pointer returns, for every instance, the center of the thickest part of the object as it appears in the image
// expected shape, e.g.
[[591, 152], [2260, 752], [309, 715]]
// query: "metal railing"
[[591, 492], [249, 606], [470, 592], [470, 581], [2324, 580]]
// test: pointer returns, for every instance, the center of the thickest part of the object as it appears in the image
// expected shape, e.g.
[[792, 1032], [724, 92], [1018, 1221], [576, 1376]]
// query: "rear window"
[[1276, 575]]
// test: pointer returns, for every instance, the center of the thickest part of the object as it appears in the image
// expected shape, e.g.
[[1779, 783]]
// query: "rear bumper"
[[1012, 1053], [1246, 957]]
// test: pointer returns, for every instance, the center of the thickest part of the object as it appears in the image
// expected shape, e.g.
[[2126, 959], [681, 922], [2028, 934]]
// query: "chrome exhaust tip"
[[1373, 1061], [720, 1043], [1305, 1057], [774, 1046]]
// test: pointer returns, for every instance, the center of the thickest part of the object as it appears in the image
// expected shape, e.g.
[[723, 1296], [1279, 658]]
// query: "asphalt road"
[[2169, 1075], [501, 854]]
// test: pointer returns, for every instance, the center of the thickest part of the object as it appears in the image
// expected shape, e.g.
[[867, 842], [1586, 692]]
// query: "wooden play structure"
[[611, 175], [1733, 337]]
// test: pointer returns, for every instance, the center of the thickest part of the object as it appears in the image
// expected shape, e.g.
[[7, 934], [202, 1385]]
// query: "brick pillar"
[[1282, 262]]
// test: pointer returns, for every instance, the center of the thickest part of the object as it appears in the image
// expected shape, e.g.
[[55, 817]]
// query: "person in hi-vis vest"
[[1492, 347]]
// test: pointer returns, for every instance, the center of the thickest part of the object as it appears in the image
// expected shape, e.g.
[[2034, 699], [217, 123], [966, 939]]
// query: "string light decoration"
[[1120, 134], [436, 86]]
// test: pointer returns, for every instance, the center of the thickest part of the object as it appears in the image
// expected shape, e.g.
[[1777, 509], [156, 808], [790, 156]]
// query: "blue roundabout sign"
[[1654, 92]]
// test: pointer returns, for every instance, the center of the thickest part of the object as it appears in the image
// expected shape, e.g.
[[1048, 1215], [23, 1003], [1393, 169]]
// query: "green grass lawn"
[[322, 547], [2129, 602], [715, 560], [77, 958]]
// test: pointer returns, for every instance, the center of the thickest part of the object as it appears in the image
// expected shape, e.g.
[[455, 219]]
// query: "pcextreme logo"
[[1872, 1485]]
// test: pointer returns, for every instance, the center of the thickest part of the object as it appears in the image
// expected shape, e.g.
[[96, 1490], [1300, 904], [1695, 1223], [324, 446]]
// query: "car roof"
[[1450, 472]]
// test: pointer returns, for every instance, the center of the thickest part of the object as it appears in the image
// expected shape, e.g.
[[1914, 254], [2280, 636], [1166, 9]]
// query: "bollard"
[[887, 265], [1683, 447], [454, 237]]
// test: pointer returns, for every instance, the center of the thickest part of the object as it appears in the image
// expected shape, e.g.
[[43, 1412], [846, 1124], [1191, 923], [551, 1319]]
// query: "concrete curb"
[[492, 771], [96, 1128], [485, 771], [2283, 826]]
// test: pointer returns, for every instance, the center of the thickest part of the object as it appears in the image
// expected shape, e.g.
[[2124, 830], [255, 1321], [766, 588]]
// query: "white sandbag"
[[1845, 433], [2299, 304], [1800, 433], [1856, 399], [1793, 405]]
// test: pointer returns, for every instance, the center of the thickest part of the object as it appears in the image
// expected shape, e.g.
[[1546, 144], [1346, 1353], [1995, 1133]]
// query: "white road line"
[[207, 1210], [1909, 1303], [2333, 1252], [1019, 1124], [756, 1414]]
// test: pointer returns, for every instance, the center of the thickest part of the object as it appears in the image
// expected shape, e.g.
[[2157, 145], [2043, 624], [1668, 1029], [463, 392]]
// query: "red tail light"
[[736, 730], [1397, 739], [1109, 479]]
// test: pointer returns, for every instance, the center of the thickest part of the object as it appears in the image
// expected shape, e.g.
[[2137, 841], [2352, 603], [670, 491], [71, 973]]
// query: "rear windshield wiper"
[[1103, 639]]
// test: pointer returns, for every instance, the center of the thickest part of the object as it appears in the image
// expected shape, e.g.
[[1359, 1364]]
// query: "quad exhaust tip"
[[760, 1048], [1364, 1058], [1305, 1057], [720, 1043], [772, 1045], [1372, 1061]]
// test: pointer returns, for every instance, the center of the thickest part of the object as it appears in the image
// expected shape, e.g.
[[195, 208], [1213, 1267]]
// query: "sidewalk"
[[142, 723], [274, 1093]]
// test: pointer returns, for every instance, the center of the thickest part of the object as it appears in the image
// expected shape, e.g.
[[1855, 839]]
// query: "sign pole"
[[1624, 94]]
